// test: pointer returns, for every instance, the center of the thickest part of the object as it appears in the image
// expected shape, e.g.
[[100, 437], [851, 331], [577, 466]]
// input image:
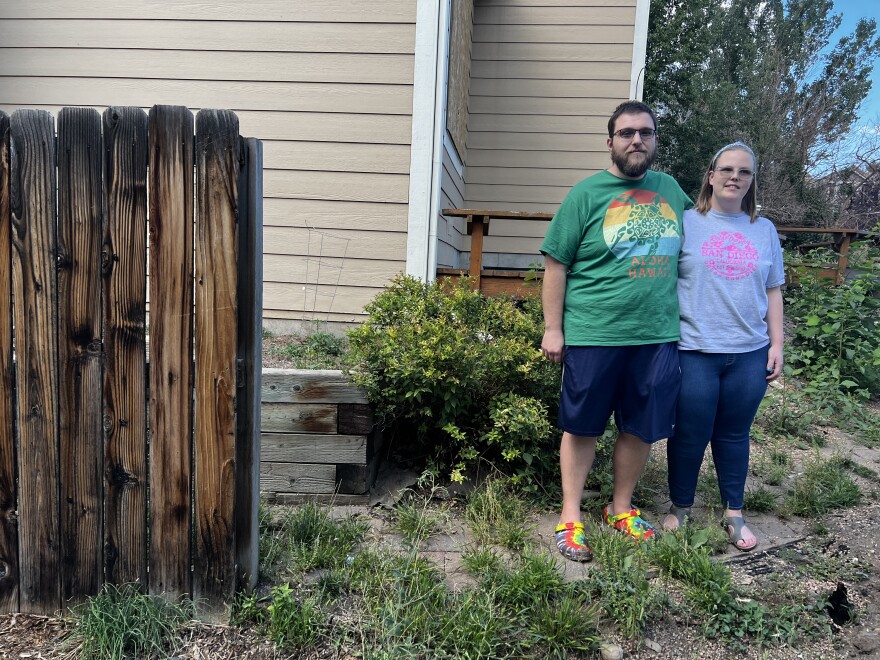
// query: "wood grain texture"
[[216, 309], [309, 386], [250, 329], [125, 291], [80, 351], [8, 491], [171, 347], [298, 477], [313, 448], [35, 318], [298, 417]]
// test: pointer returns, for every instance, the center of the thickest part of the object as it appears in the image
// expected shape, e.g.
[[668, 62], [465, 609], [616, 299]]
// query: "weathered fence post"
[[250, 329], [124, 261], [32, 199], [8, 496]]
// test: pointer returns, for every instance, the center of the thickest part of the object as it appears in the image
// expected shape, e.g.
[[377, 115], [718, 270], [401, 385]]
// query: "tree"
[[726, 70]]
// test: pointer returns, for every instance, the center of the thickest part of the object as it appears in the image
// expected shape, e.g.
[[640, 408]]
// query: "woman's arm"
[[774, 327]]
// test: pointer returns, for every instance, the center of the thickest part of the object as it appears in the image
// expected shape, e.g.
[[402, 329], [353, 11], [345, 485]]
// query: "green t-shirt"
[[620, 240]]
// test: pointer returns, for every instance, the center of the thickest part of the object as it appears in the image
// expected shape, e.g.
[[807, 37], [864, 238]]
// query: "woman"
[[730, 273]]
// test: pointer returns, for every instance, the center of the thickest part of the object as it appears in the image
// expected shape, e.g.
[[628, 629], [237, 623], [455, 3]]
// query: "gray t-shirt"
[[726, 265]]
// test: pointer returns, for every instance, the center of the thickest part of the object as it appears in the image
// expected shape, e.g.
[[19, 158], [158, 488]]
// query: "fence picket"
[[80, 354], [32, 201], [171, 348], [125, 299], [8, 496], [216, 308]]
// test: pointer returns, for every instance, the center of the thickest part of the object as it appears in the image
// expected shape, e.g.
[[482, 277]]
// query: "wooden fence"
[[113, 469]]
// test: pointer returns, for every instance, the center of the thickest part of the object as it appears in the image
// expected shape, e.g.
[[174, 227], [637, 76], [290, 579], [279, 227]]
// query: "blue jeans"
[[720, 395]]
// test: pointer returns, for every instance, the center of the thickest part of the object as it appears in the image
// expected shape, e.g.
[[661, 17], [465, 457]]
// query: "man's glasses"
[[728, 172], [629, 133]]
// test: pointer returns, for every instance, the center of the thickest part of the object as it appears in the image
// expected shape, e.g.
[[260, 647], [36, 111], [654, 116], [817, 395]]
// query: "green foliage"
[[417, 517], [836, 346], [760, 500], [307, 538], [287, 621], [823, 486], [465, 370], [497, 515], [122, 622], [776, 86], [316, 350]]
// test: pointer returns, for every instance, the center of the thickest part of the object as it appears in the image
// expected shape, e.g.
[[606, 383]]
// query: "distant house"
[[375, 115]]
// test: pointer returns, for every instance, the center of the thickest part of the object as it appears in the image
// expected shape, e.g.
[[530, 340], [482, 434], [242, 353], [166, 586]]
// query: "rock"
[[610, 651], [866, 642], [654, 646]]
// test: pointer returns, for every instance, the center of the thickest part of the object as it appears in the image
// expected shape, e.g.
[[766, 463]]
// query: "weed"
[[417, 520], [858, 469], [823, 486], [122, 622], [292, 623], [760, 500], [497, 515]]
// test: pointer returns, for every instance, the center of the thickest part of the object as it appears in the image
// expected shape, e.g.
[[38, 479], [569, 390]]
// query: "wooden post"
[[216, 305], [171, 346], [8, 495], [477, 227], [250, 328], [32, 201], [842, 259], [80, 352], [125, 299]]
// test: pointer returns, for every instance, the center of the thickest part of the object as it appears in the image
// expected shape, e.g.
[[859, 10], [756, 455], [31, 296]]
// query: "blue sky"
[[852, 11]]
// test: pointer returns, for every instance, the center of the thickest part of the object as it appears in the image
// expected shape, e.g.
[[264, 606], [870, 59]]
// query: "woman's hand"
[[774, 363]]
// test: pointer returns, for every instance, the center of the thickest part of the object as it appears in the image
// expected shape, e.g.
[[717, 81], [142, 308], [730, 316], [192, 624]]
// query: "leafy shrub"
[[836, 346], [465, 370]]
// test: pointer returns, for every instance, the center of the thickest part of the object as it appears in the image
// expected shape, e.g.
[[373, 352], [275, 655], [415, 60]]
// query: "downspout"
[[640, 50]]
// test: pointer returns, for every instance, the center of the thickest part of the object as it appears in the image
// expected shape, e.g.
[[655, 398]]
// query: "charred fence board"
[[80, 355], [216, 307], [124, 262], [32, 199], [171, 292], [8, 498]]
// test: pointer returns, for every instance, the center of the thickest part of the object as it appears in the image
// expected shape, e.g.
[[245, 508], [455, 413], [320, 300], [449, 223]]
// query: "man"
[[611, 317]]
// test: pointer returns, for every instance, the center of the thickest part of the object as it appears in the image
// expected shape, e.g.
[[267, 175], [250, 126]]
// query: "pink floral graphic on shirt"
[[730, 255]]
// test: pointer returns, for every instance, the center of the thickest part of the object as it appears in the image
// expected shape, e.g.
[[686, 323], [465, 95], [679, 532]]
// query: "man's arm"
[[553, 296], [774, 327]]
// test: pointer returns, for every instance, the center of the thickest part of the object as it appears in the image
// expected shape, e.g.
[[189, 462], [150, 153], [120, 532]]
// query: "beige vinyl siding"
[[326, 84], [545, 76], [450, 231]]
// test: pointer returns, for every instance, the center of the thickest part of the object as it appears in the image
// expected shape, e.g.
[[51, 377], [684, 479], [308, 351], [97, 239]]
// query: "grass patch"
[[317, 350], [497, 515], [122, 622], [823, 486], [760, 500]]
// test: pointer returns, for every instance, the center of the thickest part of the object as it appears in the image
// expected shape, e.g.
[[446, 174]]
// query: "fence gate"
[[115, 467]]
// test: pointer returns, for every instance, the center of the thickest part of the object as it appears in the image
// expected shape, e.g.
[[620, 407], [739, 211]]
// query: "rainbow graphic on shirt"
[[641, 227]]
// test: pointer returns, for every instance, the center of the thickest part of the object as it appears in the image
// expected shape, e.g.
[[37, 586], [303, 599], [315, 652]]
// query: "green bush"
[[465, 370], [836, 345]]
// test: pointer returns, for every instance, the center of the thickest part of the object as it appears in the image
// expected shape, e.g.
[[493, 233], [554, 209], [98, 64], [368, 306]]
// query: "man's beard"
[[635, 167]]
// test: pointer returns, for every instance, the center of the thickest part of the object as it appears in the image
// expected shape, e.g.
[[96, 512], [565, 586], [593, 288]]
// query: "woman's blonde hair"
[[749, 203]]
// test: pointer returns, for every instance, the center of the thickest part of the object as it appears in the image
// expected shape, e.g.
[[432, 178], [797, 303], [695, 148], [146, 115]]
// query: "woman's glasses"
[[728, 172]]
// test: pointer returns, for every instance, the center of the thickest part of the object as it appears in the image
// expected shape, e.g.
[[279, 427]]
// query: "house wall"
[[326, 84], [545, 76]]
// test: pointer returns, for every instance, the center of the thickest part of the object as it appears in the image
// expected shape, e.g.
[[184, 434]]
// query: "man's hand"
[[552, 345]]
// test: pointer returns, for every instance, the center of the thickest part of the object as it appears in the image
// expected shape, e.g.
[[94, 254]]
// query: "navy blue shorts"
[[638, 384]]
